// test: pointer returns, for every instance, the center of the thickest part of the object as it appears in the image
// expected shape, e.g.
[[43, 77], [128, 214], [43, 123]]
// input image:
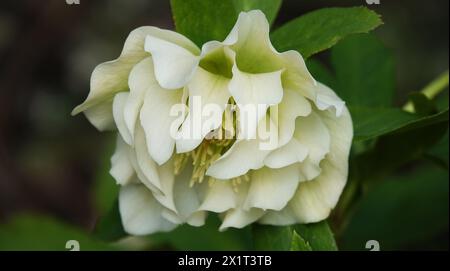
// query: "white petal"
[[272, 188], [141, 79], [279, 218], [101, 116], [167, 180], [326, 99], [314, 200], [255, 53], [312, 132], [238, 218], [296, 75], [111, 77], [157, 120], [291, 153], [187, 200], [121, 168], [243, 156], [208, 97], [140, 212], [220, 197], [254, 93], [146, 164], [174, 64], [292, 106], [118, 106]]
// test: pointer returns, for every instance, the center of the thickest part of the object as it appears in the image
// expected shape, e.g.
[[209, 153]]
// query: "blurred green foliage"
[[26, 232], [397, 191]]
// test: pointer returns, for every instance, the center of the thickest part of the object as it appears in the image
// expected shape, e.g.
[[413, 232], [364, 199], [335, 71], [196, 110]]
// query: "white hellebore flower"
[[175, 165]]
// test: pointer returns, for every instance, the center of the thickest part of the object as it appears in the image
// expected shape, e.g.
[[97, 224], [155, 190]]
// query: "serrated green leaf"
[[298, 243], [401, 212], [318, 235], [321, 29], [31, 232], [205, 20], [365, 72]]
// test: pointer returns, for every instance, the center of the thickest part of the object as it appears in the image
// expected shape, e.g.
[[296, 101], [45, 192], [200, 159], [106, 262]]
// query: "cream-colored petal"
[[314, 200], [101, 116], [187, 199], [208, 97], [146, 164], [243, 156], [141, 79], [220, 197], [121, 168], [283, 217], [157, 120], [253, 94], [174, 64], [312, 132], [292, 106], [140, 212], [167, 181], [271, 189], [291, 153], [111, 77], [118, 107], [327, 100], [238, 217]]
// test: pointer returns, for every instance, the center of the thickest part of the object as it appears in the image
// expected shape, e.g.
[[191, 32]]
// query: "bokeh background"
[[55, 166]]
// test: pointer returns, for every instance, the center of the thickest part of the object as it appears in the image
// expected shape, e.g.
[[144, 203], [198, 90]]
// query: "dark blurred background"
[[50, 161]]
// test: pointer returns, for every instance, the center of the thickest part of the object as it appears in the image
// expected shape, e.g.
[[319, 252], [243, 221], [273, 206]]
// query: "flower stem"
[[431, 90]]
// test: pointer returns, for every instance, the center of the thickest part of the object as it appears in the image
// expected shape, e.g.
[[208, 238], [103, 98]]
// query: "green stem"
[[431, 90]]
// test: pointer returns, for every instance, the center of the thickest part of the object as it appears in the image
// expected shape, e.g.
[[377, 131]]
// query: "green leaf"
[[274, 238], [269, 7], [205, 238], [298, 243], [372, 122], [205, 20], [364, 71], [30, 232], [402, 212], [321, 73], [318, 235], [396, 149], [439, 152], [109, 227], [304, 237], [322, 29]]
